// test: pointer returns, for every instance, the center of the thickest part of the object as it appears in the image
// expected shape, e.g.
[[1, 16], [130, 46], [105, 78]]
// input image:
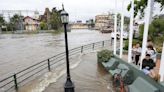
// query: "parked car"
[[125, 35], [117, 35]]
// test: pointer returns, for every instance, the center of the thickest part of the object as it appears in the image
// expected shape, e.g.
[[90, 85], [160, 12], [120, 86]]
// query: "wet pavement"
[[86, 73], [89, 76]]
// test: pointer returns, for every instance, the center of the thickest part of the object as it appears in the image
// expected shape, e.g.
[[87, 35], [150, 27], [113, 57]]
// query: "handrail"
[[18, 78]]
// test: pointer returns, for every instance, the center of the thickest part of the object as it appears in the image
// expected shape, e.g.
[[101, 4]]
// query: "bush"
[[135, 41], [43, 26], [155, 33], [104, 55]]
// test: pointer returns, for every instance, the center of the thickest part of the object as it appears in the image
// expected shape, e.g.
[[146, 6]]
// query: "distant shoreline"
[[32, 32]]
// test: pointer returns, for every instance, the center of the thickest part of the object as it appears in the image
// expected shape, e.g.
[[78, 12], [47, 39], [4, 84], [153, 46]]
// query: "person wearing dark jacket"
[[148, 63], [148, 66]]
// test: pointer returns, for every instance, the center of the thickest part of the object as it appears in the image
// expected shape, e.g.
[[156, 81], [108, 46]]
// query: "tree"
[[139, 6], [92, 23], [156, 32], [15, 22], [2, 21], [43, 26], [55, 20], [118, 19], [126, 20]]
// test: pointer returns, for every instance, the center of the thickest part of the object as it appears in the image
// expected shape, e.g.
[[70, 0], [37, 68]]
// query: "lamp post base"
[[69, 86]]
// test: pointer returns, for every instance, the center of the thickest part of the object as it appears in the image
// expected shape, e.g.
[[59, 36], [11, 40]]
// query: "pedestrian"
[[133, 53], [137, 53], [152, 52], [148, 66]]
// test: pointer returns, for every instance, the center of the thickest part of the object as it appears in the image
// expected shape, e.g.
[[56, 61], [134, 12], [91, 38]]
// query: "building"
[[31, 24], [78, 25], [104, 22], [90, 23]]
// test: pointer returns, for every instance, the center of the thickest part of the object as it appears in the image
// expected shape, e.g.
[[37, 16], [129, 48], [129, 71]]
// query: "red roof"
[[30, 18]]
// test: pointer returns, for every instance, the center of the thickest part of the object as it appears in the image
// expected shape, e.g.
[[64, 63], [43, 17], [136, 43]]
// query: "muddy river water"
[[18, 51]]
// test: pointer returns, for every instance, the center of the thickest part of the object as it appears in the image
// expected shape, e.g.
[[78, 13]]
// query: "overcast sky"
[[78, 9]]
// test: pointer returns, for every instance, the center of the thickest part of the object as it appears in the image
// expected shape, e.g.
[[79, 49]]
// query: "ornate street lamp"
[[69, 86]]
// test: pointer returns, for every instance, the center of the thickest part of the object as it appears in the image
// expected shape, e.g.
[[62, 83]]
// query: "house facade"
[[31, 24], [104, 21]]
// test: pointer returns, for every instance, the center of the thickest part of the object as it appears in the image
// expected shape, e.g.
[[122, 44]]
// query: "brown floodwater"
[[18, 51]]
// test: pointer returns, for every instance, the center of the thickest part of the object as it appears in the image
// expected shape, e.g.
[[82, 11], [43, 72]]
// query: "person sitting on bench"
[[148, 66]]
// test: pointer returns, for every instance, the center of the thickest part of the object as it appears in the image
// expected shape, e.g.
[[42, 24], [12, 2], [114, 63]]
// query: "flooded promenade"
[[87, 75]]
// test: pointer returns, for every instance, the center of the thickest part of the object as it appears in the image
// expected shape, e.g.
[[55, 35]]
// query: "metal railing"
[[20, 78]]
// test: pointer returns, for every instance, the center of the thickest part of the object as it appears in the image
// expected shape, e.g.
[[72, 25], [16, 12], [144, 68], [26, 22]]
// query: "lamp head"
[[64, 16]]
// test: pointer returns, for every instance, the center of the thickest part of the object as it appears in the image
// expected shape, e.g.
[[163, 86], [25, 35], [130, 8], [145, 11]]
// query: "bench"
[[127, 74], [141, 85], [117, 70], [162, 83], [111, 64]]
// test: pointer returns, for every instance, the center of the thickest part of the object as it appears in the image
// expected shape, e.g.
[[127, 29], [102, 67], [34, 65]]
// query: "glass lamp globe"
[[64, 17]]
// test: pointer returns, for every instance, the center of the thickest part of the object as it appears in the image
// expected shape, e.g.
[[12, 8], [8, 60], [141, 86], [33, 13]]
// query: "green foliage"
[[118, 19], [92, 23], [140, 5], [156, 32], [141, 28], [2, 21], [10, 27], [127, 20], [104, 55], [43, 26], [15, 22], [55, 20], [135, 41]]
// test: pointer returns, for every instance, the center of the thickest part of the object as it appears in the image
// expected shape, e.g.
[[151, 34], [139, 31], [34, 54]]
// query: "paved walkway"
[[88, 77]]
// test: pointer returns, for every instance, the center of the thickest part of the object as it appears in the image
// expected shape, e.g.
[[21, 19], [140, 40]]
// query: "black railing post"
[[15, 82], [49, 68], [81, 49], [93, 46], [103, 44]]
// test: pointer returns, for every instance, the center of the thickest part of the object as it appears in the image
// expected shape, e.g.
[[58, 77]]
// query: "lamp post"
[[69, 86]]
